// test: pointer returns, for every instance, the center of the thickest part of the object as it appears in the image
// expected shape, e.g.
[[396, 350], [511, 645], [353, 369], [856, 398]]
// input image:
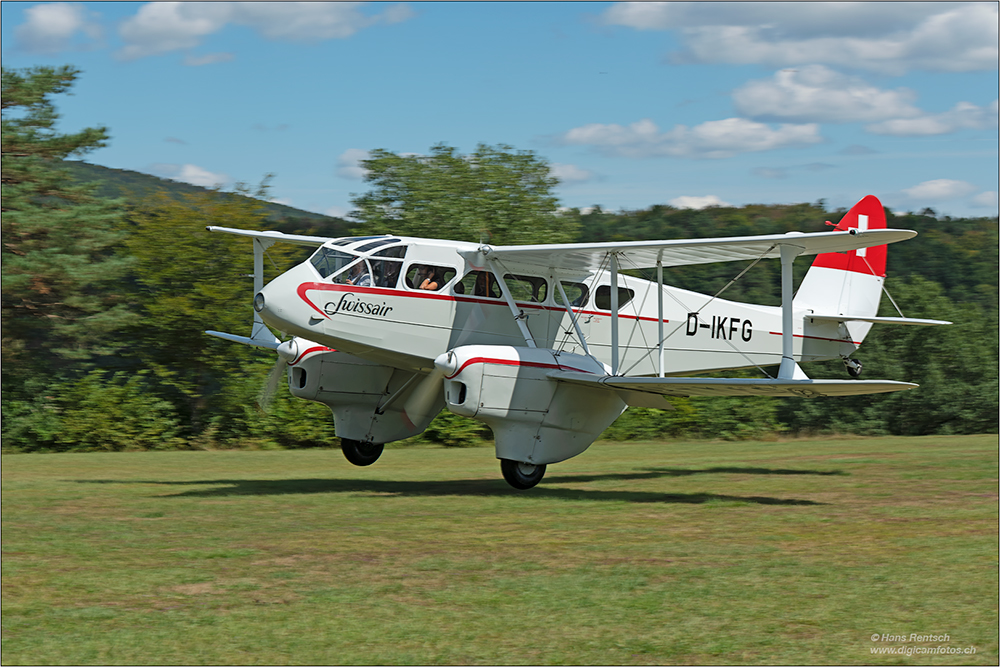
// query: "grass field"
[[798, 552]]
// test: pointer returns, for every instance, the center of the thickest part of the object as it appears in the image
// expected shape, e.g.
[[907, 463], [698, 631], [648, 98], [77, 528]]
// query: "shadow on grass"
[[653, 473], [477, 487]]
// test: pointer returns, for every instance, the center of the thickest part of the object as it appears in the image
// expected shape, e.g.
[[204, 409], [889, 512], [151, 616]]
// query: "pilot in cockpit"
[[359, 275]]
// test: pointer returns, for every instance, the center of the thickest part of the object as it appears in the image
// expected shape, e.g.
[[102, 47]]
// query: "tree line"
[[105, 300]]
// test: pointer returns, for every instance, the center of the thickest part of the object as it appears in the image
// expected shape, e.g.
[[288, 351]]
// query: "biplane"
[[549, 344]]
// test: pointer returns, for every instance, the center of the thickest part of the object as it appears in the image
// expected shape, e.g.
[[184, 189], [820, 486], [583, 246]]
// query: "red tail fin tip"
[[866, 214]]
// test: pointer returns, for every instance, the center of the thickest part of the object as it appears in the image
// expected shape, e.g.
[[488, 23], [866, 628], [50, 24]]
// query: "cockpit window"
[[329, 261], [386, 271], [359, 274], [399, 251], [354, 239], [374, 244]]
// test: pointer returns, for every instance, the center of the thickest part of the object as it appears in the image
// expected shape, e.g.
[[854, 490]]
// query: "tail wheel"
[[361, 453], [521, 475]]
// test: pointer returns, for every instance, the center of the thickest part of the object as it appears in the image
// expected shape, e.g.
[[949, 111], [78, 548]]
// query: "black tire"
[[521, 475], [360, 453]]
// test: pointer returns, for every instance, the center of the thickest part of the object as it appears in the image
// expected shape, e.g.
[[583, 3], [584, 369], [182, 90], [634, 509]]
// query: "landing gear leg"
[[360, 453], [853, 366], [521, 475]]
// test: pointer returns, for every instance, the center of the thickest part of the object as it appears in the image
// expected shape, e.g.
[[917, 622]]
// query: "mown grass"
[[653, 553]]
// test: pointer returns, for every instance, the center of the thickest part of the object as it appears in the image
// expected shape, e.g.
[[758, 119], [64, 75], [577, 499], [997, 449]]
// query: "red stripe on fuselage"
[[836, 340], [383, 291]]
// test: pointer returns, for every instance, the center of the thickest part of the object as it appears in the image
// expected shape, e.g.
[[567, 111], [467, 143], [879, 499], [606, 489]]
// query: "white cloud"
[[817, 94], [189, 173], [56, 27], [568, 173], [697, 203], [939, 189], [349, 164], [195, 175], [964, 116], [712, 139], [161, 27], [986, 199], [886, 37]]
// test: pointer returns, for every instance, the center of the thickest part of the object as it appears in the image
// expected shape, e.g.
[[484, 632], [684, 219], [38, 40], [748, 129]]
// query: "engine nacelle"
[[534, 418], [354, 389]]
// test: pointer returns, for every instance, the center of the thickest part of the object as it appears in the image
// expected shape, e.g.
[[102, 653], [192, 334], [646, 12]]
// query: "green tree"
[[496, 192], [62, 285], [190, 280], [955, 366]]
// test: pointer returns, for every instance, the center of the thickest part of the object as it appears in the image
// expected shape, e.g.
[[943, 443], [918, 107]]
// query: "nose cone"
[[279, 304]]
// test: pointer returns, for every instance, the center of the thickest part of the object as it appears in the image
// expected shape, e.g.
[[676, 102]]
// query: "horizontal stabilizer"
[[253, 342], [685, 386], [878, 320]]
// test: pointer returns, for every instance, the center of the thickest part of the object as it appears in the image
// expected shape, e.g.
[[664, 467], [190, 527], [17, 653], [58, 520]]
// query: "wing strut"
[[614, 313], [260, 332], [788, 369], [572, 316], [659, 311], [519, 316]]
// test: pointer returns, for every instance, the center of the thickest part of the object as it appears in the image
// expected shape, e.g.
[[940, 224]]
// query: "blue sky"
[[632, 104]]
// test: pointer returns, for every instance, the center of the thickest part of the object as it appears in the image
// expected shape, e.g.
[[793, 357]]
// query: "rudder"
[[848, 283]]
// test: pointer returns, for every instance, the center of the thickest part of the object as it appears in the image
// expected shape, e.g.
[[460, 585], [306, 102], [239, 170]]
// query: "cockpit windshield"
[[345, 267], [328, 261]]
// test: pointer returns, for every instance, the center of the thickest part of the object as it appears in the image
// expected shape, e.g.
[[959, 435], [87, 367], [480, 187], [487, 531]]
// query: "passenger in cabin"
[[482, 288], [430, 281]]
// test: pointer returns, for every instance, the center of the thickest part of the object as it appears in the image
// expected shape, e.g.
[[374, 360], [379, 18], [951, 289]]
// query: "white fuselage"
[[406, 327]]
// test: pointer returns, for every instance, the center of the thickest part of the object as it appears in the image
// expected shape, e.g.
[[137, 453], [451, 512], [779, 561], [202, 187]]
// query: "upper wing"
[[645, 254], [686, 386], [295, 239]]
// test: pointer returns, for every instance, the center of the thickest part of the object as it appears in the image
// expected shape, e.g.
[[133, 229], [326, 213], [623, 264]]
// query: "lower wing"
[[681, 386]]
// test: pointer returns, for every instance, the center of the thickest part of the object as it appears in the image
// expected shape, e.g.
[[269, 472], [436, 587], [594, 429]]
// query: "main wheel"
[[360, 453], [521, 475]]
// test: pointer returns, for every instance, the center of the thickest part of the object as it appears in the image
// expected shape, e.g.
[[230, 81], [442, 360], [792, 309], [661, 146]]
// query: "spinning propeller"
[[423, 397], [287, 352]]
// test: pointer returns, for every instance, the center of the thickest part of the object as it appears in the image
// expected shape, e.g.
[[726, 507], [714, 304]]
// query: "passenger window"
[[386, 271], [526, 288], [576, 293], [428, 276], [479, 283], [602, 299]]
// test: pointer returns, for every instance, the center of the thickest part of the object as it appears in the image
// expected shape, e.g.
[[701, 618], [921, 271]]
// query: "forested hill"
[[960, 254], [134, 186]]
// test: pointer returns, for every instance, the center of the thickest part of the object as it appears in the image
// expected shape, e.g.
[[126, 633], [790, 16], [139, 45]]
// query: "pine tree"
[[63, 271]]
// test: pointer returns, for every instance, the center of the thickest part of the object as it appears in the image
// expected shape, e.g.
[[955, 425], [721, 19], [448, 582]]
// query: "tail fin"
[[848, 283]]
